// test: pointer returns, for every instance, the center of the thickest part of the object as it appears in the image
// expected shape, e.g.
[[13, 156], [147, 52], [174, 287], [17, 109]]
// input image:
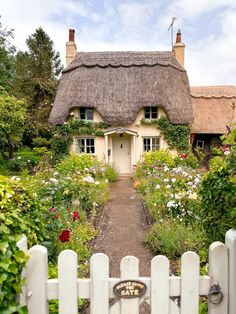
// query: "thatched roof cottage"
[[124, 88], [121, 89]]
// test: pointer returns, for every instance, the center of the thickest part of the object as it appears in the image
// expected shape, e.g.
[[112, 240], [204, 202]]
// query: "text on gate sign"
[[129, 289]]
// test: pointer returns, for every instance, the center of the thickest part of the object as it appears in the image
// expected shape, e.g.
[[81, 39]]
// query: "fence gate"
[[166, 294]]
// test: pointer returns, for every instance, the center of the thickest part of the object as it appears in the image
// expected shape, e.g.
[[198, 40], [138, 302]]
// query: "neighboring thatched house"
[[122, 89], [214, 112]]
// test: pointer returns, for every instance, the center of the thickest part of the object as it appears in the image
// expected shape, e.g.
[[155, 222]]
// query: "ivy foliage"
[[176, 135], [19, 214], [63, 134]]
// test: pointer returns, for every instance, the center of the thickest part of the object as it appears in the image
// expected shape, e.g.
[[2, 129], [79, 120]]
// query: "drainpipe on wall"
[[71, 48]]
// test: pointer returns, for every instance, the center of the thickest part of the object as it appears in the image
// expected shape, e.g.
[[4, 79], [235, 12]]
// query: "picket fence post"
[[230, 241], [160, 267], [36, 280], [129, 269], [190, 267], [218, 272], [67, 278], [99, 284]]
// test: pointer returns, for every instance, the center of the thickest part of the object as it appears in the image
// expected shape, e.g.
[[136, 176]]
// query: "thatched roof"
[[212, 108], [119, 84]]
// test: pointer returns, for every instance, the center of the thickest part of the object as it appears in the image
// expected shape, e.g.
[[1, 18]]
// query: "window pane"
[[146, 144], [89, 113], [81, 145], [82, 113], [147, 113], [90, 148], [155, 143], [154, 113]]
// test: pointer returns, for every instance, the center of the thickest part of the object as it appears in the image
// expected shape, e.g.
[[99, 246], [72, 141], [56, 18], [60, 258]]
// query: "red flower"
[[50, 209], [184, 156], [57, 217], [54, 211], [64, 236], [75, 215]]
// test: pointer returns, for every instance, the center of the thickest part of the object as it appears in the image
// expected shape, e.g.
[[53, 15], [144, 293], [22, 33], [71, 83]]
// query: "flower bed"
[[169, 189], [56, 207]]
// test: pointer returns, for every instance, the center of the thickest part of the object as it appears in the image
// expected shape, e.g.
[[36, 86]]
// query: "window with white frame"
[[151, 143], [86, 113], [151, 112], [200, 144], [86, 145]]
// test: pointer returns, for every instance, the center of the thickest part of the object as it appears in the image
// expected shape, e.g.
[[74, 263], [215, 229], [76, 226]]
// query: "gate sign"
[[129, 289]]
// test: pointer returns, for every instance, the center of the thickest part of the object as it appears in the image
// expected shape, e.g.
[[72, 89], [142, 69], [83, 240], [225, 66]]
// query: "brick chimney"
[[179, 48], [70, 47]]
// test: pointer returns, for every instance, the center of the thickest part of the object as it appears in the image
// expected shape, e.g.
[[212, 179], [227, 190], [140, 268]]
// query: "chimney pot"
[[71, 35], [178, 37]]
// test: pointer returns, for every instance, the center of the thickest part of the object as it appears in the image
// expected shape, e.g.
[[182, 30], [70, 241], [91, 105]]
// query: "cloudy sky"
[[208, 29]]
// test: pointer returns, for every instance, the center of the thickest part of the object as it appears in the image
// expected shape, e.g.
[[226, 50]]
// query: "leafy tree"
[[36, 80], [12, 121], [7, 58]]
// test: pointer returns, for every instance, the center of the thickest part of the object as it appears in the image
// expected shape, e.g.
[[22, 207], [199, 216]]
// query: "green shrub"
[[158, 158], [20, 214], [77, 162], [218, 192], [187, 159], [110, 173], [173, 238]]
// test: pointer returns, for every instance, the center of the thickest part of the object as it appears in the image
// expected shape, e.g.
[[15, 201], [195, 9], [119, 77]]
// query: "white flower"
[[88, 179], [53, 180], [226, 152], [28, 160], [190, 183], [97, 182], [166, 180], [171, 204], [158, 186], [193, 196], [15, 178], [55, 173], [173, 180], [168, 186], [19, 157], [72, 113], [166, 169], [8, 195], [197, 180], [106, 181]]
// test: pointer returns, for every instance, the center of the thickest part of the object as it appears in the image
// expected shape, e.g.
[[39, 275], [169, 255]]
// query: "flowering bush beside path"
[[55, 207], [169, 188]]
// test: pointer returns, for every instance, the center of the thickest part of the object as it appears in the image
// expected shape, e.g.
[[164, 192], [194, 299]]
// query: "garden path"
[[122, 227]]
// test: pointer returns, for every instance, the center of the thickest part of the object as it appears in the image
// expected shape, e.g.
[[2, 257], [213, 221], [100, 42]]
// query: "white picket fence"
[[166, 294]]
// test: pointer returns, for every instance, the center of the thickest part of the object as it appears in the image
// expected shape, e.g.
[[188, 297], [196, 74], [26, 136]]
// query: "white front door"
[[121, 153]]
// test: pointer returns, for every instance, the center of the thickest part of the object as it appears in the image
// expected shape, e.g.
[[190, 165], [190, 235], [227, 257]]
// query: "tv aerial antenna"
[[171, 29]]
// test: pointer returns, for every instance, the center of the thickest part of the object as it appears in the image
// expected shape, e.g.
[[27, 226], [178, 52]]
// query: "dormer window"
[[150, 112], [86, 113]]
